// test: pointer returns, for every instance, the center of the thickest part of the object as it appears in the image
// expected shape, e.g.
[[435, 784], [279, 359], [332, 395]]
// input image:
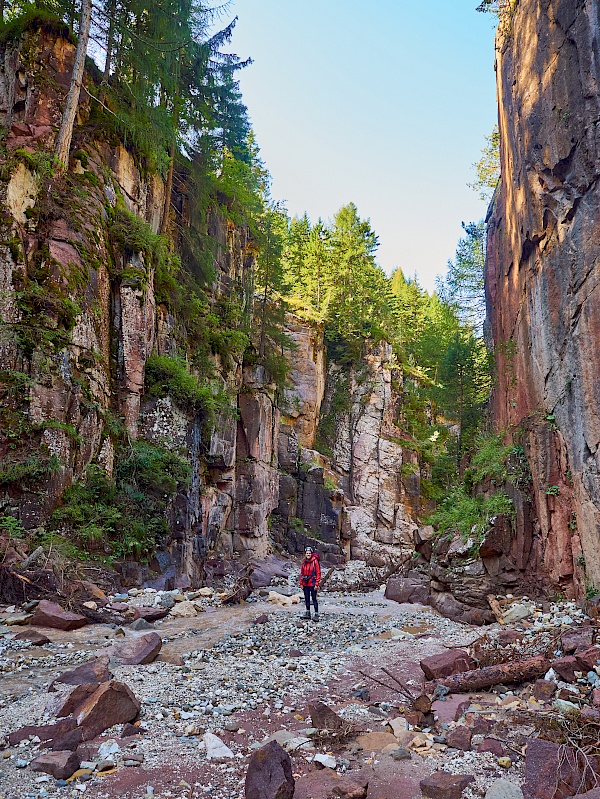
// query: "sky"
[[385, 104]]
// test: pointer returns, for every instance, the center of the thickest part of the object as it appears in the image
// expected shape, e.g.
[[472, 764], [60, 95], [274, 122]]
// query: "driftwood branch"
[[477, 679]]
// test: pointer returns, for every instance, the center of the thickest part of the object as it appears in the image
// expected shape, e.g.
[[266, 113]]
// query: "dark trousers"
[[310, 593]]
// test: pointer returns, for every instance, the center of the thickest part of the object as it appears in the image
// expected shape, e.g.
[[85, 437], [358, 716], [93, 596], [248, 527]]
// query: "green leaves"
[[125, 515], [168, 376]]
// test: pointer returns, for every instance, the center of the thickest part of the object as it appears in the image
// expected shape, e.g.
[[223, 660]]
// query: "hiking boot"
[[307, 615], [316, 616]]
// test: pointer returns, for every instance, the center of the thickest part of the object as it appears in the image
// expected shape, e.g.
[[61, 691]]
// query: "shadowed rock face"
[[543, 273]]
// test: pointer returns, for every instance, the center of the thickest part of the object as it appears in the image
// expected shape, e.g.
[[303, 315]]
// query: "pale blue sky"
[[383, 103]]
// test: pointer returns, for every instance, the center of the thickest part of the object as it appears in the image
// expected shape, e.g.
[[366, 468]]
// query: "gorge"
[[196, 386], [129, 370]]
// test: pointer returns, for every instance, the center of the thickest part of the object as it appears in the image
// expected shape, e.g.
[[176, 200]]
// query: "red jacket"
[[310, 572]]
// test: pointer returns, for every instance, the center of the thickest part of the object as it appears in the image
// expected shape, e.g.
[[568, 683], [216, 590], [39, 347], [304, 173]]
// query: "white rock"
[[108, 748], [206, 591], [503, 789], [517, 612], [215, 748], [280, 599], [327, 761], [183, 610], [562, 706]]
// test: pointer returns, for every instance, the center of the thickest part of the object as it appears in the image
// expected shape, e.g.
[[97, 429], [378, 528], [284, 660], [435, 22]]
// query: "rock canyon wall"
[[543, 276], [83, 311]]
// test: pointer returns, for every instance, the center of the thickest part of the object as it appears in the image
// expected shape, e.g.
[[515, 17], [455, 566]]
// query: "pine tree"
[[65, 133], [464, 284]]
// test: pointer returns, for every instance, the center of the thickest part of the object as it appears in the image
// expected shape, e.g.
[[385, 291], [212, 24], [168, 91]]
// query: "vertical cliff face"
[[360, 412], [543, 275]]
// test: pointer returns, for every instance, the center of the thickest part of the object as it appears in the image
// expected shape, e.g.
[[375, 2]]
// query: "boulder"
[[451, 708], [544, 690], [269, 774], [49, 614], [376, 741], [150, 614], [503, 789], [45, 732], [140, 626], [262, 619], [442, 785], [436, 667], [112, 703], [282, 599], [265, 570], [328, 784], [588, 658], [517, 612], [492, 745], [33, 636], [507, 637], [137, 650], [65, 701], [460, 738], [60, 765], [577, 640], [408, 589], [324, 718], [566, 668], [450, 607], [69, 741], [130, 729], [554, 772], [93, 671], [183, 610]]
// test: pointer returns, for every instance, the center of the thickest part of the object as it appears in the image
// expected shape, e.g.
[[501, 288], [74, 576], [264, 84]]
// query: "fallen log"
[[477, 679]]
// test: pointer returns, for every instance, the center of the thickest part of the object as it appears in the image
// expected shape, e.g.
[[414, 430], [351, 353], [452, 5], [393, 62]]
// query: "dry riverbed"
[[243, 682]]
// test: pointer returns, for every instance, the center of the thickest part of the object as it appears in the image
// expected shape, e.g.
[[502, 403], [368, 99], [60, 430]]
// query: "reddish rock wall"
[[543, 273]]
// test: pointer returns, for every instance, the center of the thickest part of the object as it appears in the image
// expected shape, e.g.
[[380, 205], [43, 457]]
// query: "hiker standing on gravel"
[[310, 578]]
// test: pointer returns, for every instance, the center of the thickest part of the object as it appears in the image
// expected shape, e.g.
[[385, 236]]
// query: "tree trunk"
[[460, 421], [263, 321], [168, 191], [65, 133], [110, 40], [502, 674]]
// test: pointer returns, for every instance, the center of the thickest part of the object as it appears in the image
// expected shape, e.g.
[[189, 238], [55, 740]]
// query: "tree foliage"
[[488, 167], [463, 287]]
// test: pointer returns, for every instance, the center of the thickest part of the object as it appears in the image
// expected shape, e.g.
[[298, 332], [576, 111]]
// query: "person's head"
[[308, 552]]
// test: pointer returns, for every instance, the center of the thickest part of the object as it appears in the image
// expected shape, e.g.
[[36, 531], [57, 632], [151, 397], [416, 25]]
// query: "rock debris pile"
[[377, 700]]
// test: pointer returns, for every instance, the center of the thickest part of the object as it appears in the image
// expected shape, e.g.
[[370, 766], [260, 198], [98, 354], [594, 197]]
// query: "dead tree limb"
[[384, 685], [477, 679], [326, 578], [496, 609]]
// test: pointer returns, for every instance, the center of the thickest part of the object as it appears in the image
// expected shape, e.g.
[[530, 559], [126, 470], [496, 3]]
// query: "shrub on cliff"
[[125, 515], [169, 377]]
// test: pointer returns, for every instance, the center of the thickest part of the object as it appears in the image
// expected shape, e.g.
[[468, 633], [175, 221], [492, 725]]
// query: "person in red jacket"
[[310, 578]]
